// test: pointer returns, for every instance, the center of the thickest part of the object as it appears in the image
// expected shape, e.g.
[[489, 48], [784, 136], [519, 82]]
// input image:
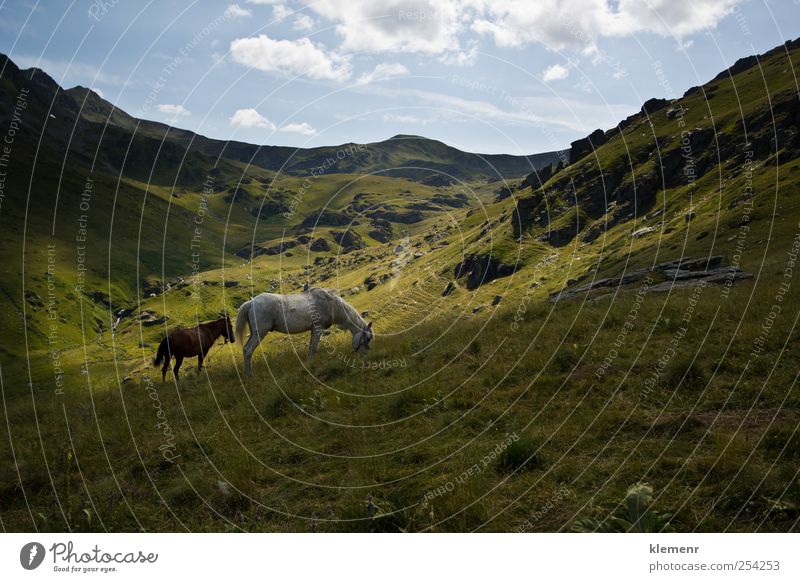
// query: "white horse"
[[314, 310]]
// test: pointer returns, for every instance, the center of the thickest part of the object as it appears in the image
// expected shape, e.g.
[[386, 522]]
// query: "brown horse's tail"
[[163, 351], [242, 319]]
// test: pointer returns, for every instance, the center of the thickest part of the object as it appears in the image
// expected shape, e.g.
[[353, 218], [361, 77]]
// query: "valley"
[[548, 326]]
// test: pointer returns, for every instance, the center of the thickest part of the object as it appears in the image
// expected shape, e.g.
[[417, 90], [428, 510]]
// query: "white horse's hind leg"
[[257, 334]]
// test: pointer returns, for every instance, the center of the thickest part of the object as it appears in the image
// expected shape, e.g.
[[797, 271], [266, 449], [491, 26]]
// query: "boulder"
[[449, 288], [320, 245], [479, 269], [581, 147], [349, 240]]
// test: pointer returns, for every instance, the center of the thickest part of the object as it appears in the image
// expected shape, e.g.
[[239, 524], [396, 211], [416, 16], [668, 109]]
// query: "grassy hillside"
[[565, 363]]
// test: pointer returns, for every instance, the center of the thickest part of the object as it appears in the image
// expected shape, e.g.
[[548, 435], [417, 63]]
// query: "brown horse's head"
[[227, 331]]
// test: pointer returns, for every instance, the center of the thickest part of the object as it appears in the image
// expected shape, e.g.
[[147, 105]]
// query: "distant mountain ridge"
[[100, 133]]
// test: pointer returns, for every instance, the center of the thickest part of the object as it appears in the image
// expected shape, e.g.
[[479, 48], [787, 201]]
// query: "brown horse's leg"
[[200, 362], [176, 369], [165, 368]]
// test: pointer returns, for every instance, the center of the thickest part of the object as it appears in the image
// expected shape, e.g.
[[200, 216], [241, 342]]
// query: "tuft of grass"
[[521, 455], [686, 372]]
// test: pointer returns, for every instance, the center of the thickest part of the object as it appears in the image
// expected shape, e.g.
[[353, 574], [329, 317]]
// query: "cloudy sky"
[[491, 76]]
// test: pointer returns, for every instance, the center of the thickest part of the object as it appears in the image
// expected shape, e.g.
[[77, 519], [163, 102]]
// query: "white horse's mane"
[[350, 313]]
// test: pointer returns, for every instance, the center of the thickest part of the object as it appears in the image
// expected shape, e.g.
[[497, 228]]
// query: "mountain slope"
[[538, 351], [98, 129]]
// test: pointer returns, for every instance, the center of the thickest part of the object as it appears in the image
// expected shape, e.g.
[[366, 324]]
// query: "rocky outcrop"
[[523, 216], [579, 148], [396, 215], [437, 180], [459, 200], [478, 269], [320, 245], [652, 105], [150, 318], [251, 252], [503, 192], [268, 208], [326, 218], [564, 233], [449, 288], [381, 230], [348, 240], [675, 274], [535, 179]]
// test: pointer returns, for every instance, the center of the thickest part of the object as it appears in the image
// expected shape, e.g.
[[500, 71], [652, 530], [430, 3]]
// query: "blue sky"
[[492, 76]]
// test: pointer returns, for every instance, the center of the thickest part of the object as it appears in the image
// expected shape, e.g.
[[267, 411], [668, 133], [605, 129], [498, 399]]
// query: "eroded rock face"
[[251, 252], [381, 230], [581, 147], [523, 216], [449, 288], [393, 214], [481, 269], [320, 245], [348, 240], [677, 274]]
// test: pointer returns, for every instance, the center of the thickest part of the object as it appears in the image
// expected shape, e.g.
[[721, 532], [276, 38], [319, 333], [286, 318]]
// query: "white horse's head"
[[362, 339]]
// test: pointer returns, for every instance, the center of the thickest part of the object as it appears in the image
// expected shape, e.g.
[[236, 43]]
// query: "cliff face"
[[660, 156]]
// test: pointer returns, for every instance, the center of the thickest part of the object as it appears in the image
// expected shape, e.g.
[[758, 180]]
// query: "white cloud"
[[250, 118], [303, 22], [236, 11], [555, 73], [404, 118], [301, 128], [263, 2], [173, 110], [463, 58], [281, 11], [415, 26], [290, 57], [436, 27], [578, 24], [381, 72], [566, 114]]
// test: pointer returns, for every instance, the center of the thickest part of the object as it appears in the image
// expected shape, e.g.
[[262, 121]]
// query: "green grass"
[[420, 443]]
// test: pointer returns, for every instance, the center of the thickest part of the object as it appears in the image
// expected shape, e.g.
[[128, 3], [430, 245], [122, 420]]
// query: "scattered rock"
[[33, 299], [644, 231], [320, 245], [149, 318], [449, 288], [371, 282]]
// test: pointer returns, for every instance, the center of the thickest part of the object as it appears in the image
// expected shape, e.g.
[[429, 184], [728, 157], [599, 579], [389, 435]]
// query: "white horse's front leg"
[[316, 334]]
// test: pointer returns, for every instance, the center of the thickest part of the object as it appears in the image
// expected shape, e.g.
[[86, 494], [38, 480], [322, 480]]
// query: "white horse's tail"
[[242, 319]]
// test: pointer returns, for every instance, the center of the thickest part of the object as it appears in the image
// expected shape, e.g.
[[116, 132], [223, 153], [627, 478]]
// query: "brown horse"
[[188, 343]]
